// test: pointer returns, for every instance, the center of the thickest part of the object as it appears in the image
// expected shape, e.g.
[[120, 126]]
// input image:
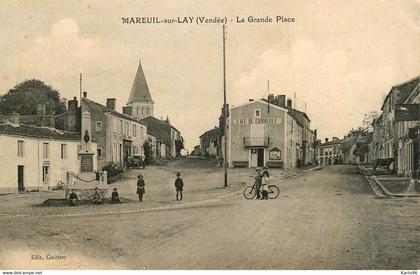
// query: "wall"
[[275, 132], [33, 161]]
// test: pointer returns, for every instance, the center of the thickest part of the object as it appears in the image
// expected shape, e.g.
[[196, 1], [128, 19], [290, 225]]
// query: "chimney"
[[128, 110], [85, 94], [72, 115], [326, 140], [335, 138], [110, 103], [289, 103], [281, 100], [251, 99], [40, 109]]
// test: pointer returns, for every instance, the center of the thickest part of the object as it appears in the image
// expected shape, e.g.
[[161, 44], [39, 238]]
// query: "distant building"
[[209, 143], [140, 103], [268, 133], [119, 136], [37, 157], [329, 152]]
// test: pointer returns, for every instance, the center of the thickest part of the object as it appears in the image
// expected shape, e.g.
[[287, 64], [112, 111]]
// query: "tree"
[[148, 152], [368, 119], [25, 97]]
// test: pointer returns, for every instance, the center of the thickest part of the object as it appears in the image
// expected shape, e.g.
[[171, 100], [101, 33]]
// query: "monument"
[[85, 181]]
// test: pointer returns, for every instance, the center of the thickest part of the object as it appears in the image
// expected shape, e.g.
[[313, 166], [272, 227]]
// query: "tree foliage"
[[25, 97], [148, 152]]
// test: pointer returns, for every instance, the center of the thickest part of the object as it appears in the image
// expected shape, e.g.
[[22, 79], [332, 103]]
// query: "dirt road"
[[327, 219]]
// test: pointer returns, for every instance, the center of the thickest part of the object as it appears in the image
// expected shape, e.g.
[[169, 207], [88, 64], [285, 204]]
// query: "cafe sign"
[[248, 121]]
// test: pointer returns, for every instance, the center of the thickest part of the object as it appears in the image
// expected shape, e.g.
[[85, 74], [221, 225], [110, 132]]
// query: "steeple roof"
[[140, 91]]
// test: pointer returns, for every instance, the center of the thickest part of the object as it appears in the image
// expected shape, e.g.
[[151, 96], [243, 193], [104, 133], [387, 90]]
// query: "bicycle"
[[250, 191]]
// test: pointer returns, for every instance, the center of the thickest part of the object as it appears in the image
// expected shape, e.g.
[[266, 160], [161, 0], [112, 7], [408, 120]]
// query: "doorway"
[[45, 174], [21, 185], [260, 157]]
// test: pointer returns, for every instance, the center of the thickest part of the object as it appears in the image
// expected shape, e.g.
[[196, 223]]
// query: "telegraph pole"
[[225, 108]]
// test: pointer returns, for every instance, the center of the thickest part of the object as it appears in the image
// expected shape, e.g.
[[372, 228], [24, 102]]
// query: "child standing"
[[140, 187], [179, 186], [264, 185], [115, 198]]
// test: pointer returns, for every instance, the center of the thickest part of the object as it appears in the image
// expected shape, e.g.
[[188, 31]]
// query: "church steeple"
[[140, 99], [140, 91]]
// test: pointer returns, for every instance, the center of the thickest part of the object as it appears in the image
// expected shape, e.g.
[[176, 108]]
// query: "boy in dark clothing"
[[73, 198], [258, 179], [140, 187], [179, 186], [115, 198]]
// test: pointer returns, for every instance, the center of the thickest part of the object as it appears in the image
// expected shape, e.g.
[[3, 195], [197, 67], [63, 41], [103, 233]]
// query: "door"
[[260, 157], [45, 175], [21, 186]]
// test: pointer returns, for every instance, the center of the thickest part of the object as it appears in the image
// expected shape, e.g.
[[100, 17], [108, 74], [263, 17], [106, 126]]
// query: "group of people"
[[96, 198], [262, 180]]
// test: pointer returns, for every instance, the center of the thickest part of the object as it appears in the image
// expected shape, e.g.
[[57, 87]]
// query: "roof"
[[264, 101], [140, 91], [158, 128], [404, 89], [297, 115], [37, 132], [329, 143], [213, 132], [106, 109]]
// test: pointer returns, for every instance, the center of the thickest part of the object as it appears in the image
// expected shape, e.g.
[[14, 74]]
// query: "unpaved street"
[[326, 219]]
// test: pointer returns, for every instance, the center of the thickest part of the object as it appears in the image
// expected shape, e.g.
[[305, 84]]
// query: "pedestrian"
[[140, 187], [264, 185], [258, 178], [73, 198], [115, 198], [265, 170], [97, 197], [179, 186]]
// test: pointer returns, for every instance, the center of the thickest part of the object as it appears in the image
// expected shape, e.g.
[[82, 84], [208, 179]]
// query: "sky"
[[339, 58]]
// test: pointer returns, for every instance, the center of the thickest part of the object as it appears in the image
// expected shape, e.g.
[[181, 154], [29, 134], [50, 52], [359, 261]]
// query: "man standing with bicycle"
[[258, 179]]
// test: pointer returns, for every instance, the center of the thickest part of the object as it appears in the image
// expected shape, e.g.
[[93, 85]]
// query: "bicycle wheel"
[[249, 193], [273, 191]]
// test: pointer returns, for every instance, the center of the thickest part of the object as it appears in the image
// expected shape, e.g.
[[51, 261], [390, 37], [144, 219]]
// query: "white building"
[[37, 158]]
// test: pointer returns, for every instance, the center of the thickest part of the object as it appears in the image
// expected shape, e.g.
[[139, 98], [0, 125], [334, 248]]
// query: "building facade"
[[329, 152], [38, 158], [267, 133], [390, 141], [209, 143], [119, 136]]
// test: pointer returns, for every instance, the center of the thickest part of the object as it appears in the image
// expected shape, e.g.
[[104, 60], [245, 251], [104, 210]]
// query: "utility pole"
[[225, 108], [80, 88]]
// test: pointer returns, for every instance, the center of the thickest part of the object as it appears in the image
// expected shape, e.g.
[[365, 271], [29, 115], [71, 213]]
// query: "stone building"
[[209, 143], [329, 152], [166, 139], [37, 157], [389, 139], [268, 133], [119, 136]]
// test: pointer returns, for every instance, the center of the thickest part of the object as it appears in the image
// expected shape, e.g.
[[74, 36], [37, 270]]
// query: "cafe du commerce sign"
[[248, 121]]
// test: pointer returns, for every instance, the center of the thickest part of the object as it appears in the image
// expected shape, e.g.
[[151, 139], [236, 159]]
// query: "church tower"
[[140, 100]]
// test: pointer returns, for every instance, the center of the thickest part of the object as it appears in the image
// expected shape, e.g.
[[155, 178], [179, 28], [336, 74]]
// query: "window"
[[63, 151], [99, 151], [257, 113], [137, 110], [135, 150], [20, 148], [98, 126], [126, 128], [147, 112], [114, 122], [134, 130], [121, 127], [45, 150]]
